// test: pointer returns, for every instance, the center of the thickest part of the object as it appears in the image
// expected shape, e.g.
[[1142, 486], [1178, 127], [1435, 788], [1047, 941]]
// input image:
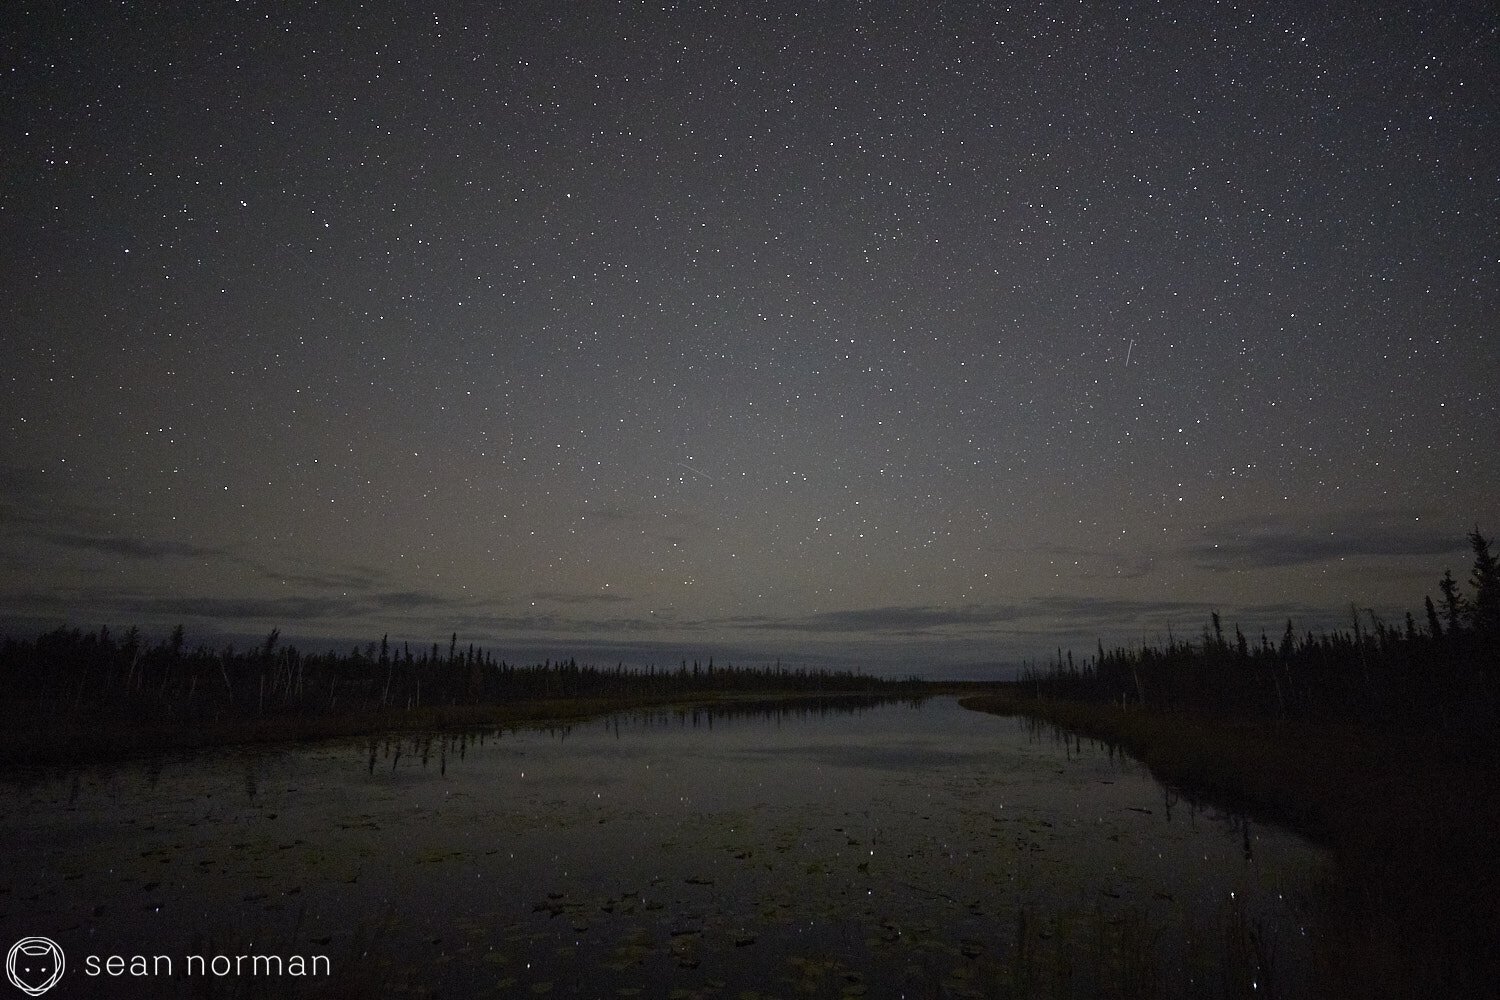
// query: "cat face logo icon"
[[34, 965]]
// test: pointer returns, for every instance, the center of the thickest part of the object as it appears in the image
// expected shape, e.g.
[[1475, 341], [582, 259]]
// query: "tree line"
[[89, 674], [1446, 664]]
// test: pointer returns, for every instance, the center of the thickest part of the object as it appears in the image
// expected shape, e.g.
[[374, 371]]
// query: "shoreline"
[[93, 737], [1412, 906]]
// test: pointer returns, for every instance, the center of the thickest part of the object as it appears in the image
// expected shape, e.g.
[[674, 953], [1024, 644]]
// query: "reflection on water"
[[824, 850]]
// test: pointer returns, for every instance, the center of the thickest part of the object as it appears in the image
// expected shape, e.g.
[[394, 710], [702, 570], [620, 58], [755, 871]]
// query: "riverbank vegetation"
[[1378, 673], [71, 695], [1379, 742]]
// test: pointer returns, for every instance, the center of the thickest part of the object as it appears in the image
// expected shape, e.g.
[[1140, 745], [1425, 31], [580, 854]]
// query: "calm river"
[[894, 850]]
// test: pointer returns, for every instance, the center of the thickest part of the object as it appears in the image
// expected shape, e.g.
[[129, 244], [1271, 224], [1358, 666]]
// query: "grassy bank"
[[1413, 906]]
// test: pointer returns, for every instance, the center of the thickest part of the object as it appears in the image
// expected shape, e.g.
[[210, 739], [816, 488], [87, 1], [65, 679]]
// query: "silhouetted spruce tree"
[[1434, 627], [1484, 611], [1453, 608]]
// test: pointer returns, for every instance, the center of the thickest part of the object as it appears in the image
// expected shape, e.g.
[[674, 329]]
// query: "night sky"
[[915, 337]]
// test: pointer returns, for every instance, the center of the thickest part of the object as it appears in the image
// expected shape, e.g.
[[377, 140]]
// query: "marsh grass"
[[1412, 907], [1121, 954]]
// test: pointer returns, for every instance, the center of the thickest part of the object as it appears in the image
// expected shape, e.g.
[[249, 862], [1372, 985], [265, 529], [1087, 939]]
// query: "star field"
[[904, 335]]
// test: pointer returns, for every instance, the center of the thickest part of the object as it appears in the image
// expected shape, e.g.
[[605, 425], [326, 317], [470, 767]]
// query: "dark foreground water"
[[900, 850]]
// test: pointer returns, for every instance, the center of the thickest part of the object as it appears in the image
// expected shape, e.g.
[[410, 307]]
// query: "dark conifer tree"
[[1485, 578], [1452, 601], [1434, 627]]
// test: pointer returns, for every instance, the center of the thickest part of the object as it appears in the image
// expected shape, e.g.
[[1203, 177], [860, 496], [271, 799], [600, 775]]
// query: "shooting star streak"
[[697, 472], [1128, 349]]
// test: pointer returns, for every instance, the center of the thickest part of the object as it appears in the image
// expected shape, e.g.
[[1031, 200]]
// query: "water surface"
[[900, 850]]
